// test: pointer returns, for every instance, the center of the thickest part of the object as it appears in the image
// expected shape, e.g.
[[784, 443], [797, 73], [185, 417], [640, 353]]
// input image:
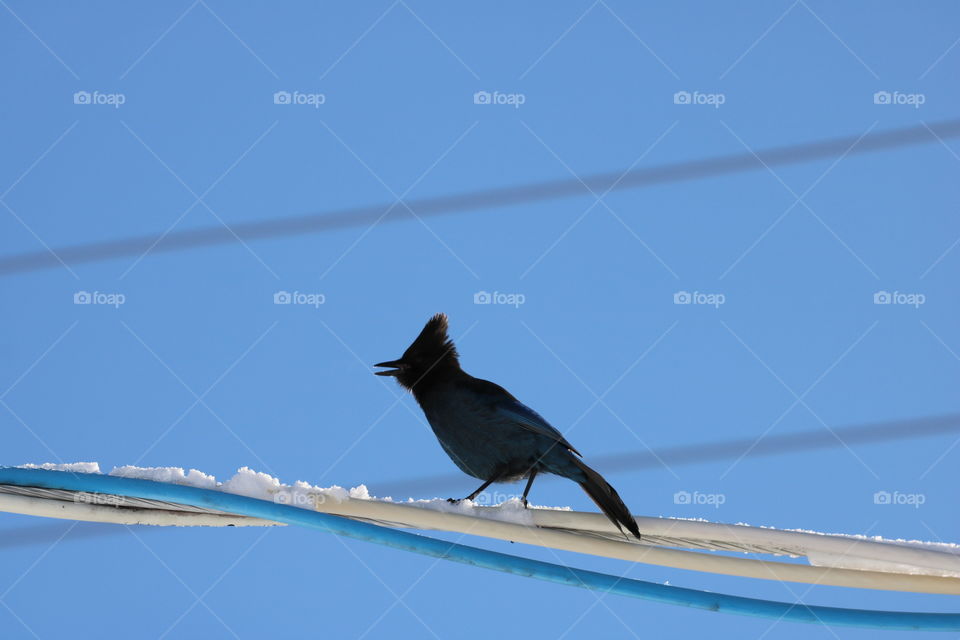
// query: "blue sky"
[[199, 368]]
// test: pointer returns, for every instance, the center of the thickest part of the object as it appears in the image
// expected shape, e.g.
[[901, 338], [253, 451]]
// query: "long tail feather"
[[608, 500]]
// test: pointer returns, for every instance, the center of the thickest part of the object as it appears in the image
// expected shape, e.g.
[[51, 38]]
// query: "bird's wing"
[[523, 416], [530, 419]]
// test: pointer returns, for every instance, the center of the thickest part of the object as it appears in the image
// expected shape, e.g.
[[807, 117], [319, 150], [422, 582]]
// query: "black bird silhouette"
[[487, 432]]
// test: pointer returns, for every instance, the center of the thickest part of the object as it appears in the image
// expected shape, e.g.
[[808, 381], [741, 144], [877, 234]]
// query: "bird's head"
[[432, 353]]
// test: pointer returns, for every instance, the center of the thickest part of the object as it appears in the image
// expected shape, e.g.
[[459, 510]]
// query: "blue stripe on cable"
[[230, 503]]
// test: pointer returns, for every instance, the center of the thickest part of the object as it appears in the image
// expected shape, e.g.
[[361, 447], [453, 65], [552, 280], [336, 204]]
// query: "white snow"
[[74, 467], [171, 475], [946, 547], [245, 482], [256, 484]]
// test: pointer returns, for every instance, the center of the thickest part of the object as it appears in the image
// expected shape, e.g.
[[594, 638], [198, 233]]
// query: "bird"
[[486, 431]]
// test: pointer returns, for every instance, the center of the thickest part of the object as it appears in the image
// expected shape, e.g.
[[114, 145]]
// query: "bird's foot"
[[454, 500]]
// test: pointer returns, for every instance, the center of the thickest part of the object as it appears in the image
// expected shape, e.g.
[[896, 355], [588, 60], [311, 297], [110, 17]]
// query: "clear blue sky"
[[287, 389]]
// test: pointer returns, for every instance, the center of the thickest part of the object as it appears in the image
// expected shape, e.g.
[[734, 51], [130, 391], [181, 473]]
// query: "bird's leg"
[[533, 474], [475, 493], [479, 490]]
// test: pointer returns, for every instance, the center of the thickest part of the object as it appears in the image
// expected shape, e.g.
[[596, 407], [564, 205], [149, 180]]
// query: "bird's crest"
[[433, 343]]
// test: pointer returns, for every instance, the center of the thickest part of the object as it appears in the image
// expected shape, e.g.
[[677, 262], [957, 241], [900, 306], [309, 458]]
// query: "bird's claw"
[[454, 500]]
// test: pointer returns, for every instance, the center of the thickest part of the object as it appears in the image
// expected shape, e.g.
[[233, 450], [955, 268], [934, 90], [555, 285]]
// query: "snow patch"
[[262, 486], [511, 510], [246, 482], [73, 467], [256, 484], [947, 547], [170, 475]]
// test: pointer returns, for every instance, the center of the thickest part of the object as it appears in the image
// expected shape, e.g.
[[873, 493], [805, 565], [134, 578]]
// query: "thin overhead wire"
[[721, 450], [479, 200], [15, 538]]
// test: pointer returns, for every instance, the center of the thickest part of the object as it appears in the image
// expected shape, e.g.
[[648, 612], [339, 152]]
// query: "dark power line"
[[482, 199], [722, 450]]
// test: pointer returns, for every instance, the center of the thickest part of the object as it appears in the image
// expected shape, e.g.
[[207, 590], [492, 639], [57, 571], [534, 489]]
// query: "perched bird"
[[487, 432]]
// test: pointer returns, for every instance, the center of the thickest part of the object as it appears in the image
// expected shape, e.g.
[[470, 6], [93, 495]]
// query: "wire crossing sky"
[[486, 199], [802, 442]]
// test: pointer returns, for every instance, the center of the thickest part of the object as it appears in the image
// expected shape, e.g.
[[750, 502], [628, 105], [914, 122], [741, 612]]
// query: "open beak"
[[395, 367]]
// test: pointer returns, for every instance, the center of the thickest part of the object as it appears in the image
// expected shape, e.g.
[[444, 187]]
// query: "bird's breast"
[[480, 442]]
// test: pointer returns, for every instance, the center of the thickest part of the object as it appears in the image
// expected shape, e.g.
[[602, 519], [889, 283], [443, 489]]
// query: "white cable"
[[85, 512], [906, 568]]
